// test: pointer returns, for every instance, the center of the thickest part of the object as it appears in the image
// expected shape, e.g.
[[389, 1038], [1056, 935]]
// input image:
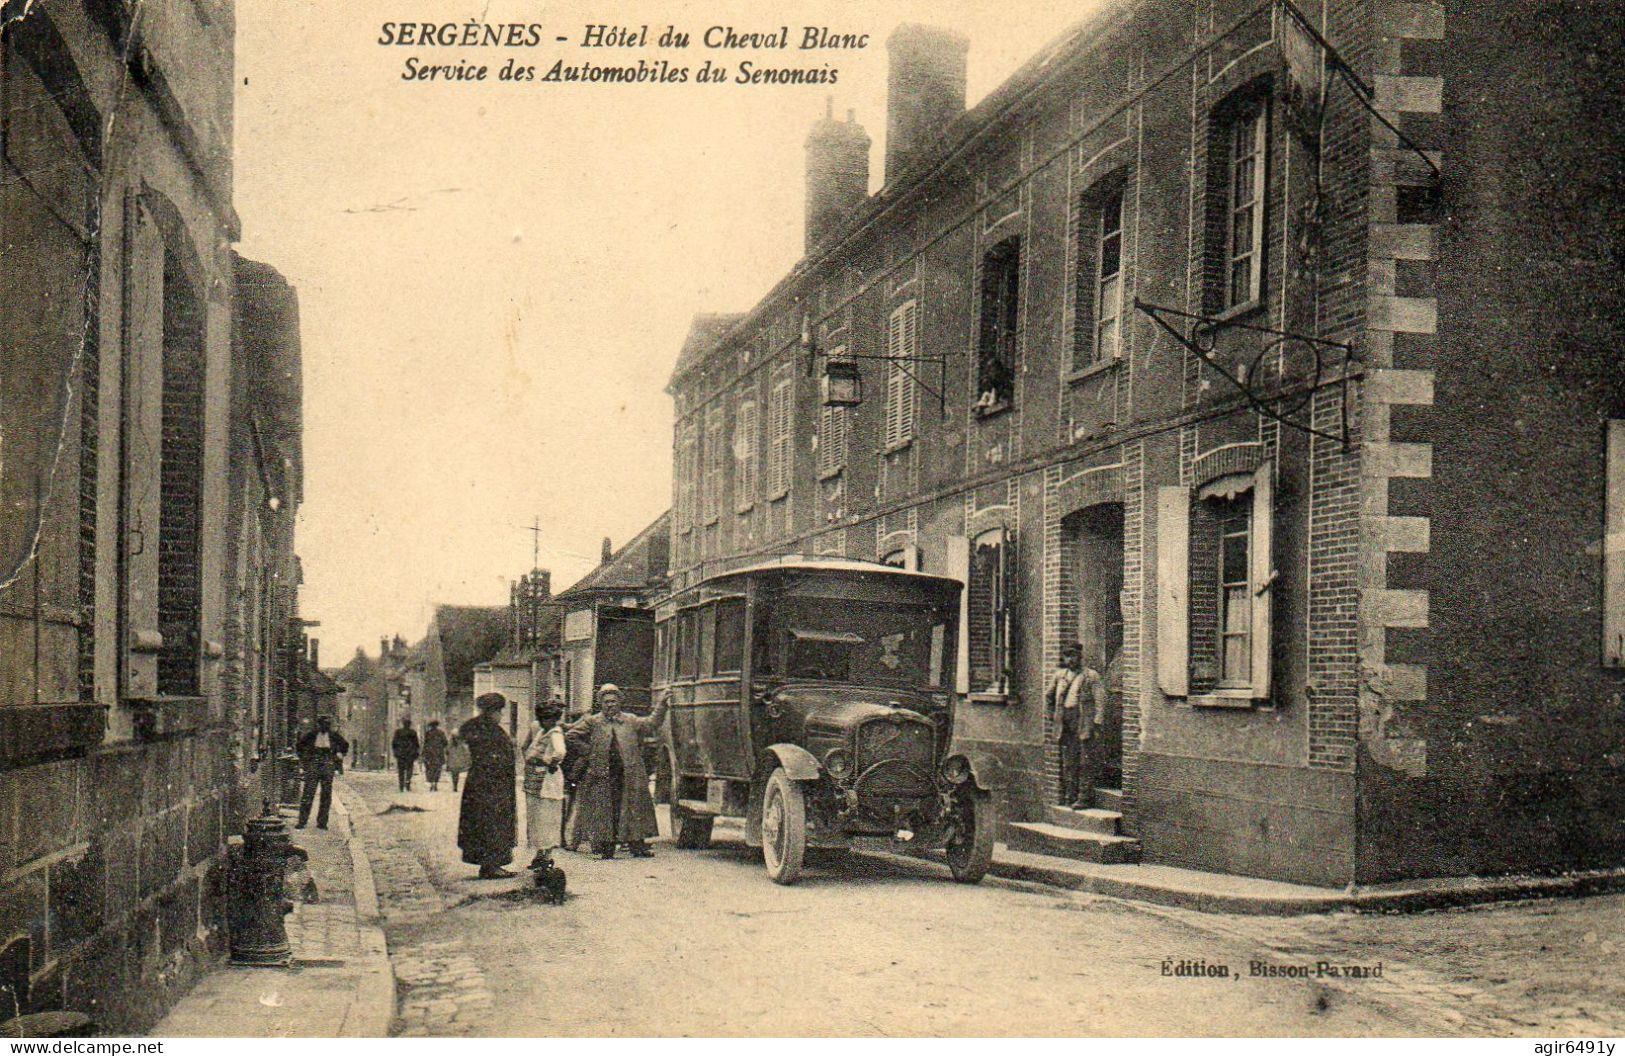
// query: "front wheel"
[[970, 851], [784, 828]]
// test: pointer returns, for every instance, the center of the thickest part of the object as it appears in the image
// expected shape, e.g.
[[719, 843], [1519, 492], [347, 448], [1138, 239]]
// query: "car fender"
[[987, 772], [798, 765]]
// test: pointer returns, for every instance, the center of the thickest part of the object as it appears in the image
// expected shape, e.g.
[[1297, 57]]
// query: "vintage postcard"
[[807, 519]]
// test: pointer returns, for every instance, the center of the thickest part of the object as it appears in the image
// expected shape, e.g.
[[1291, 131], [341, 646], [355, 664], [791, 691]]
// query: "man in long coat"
[[612, 802], [487, 824], [434, 754], [405, 747]]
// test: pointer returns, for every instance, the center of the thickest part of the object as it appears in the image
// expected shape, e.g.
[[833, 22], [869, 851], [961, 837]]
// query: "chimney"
[[605, 553], [383, 648], [925, 90], [837, 173]]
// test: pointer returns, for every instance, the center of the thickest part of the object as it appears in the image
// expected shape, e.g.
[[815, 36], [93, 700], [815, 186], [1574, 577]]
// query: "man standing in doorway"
[[1072, 689], [405, 747]]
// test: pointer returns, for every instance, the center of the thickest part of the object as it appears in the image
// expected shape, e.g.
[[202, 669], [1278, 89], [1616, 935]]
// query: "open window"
[[1215, 576], [730, 636], [1000, 325]]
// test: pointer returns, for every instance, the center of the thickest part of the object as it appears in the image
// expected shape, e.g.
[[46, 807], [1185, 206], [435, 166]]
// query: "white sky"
[[494, 278]]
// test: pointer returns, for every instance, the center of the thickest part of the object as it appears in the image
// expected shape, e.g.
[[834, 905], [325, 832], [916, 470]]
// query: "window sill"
[[1226, 698], [992, 410], [165, 716], [685, 529], [31, 734], [1093, 370], [744, 508], [831, 474], [988, 697], [1240, 311], [901, 445], [779, 496]]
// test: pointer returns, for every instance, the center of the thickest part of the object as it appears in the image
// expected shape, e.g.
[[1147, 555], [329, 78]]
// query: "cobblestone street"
[[878, 945]]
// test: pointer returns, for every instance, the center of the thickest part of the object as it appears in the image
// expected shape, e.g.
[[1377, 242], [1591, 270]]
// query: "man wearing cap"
[[487, 823], [1076, 700], [612, 801]]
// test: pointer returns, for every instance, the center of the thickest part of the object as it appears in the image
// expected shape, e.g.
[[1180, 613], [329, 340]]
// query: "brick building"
[[1258, 349], [150, 425]]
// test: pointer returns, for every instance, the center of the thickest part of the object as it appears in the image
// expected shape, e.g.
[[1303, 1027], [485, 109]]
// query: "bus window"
[[706, 623], [730, 636]]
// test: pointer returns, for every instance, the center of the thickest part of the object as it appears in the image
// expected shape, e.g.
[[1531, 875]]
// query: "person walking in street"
[[486, 824], [543, 753], [405, 747], [434, 754], [1065, 700], [456, 759], [321, 754], [613, 804]]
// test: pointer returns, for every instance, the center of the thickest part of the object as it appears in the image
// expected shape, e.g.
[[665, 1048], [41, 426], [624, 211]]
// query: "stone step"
[[1109, 798], [1042, 838], [1093, 819]]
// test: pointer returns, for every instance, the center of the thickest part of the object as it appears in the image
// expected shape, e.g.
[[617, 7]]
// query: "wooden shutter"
[[778, 454], [956, 561], [143, 412], [745, 454], [1173, 590], [1261, 574], [1006, 602], [909, 341], [896, 381], [1613, 550]]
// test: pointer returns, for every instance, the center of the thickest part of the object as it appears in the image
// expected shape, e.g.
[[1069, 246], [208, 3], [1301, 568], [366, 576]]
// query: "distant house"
[[440, 671], [608, 629]]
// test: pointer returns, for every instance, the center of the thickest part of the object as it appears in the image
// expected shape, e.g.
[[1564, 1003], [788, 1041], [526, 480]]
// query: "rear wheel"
[[970, 851], [784, 828]]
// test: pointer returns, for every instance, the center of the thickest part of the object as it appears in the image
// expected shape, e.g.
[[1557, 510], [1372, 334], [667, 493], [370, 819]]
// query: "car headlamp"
[[837, 763], [956, 769]]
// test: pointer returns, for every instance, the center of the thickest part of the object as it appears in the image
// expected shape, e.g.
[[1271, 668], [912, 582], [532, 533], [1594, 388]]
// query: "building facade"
[[149, 424], [1161, 349]]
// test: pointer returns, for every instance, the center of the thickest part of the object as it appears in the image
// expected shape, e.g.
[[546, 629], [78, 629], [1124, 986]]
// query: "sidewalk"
[[1225, 893], [340, 983]]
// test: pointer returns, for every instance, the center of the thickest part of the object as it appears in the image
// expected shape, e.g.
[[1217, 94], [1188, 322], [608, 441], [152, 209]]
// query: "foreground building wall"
[[129, 669]]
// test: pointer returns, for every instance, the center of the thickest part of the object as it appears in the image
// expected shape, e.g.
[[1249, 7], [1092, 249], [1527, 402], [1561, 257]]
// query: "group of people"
[[435, 749], [611, 803], [598, 758]]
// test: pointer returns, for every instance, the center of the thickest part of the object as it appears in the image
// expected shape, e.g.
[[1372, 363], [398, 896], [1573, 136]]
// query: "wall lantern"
[[841, 384]]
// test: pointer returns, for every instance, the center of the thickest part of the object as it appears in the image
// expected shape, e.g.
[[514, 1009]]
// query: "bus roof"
[[831, 565]]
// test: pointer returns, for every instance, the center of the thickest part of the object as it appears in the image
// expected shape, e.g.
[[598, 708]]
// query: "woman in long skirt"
[[544, 783]]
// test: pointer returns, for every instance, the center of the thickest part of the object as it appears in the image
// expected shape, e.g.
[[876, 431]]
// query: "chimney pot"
[[925, 90], [606, 552]]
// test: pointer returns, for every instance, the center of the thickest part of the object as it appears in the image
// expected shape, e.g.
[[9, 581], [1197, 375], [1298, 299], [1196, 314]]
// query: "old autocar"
[[813, 698]]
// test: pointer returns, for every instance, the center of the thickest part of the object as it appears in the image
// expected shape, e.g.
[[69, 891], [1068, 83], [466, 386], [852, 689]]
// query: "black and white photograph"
[[791, 519]]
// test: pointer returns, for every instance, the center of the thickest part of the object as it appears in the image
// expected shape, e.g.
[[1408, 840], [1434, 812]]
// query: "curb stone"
[[372, 1008]]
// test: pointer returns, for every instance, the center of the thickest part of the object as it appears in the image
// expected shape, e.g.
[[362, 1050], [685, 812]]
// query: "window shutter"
[[910, 344], [895, 380], [1613, 550], [1009, 596], [1262, 575], [956, 561], [1173, 590], [143, 406]]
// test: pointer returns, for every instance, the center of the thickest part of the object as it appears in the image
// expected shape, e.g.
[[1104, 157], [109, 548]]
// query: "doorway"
[[1092, 611]]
